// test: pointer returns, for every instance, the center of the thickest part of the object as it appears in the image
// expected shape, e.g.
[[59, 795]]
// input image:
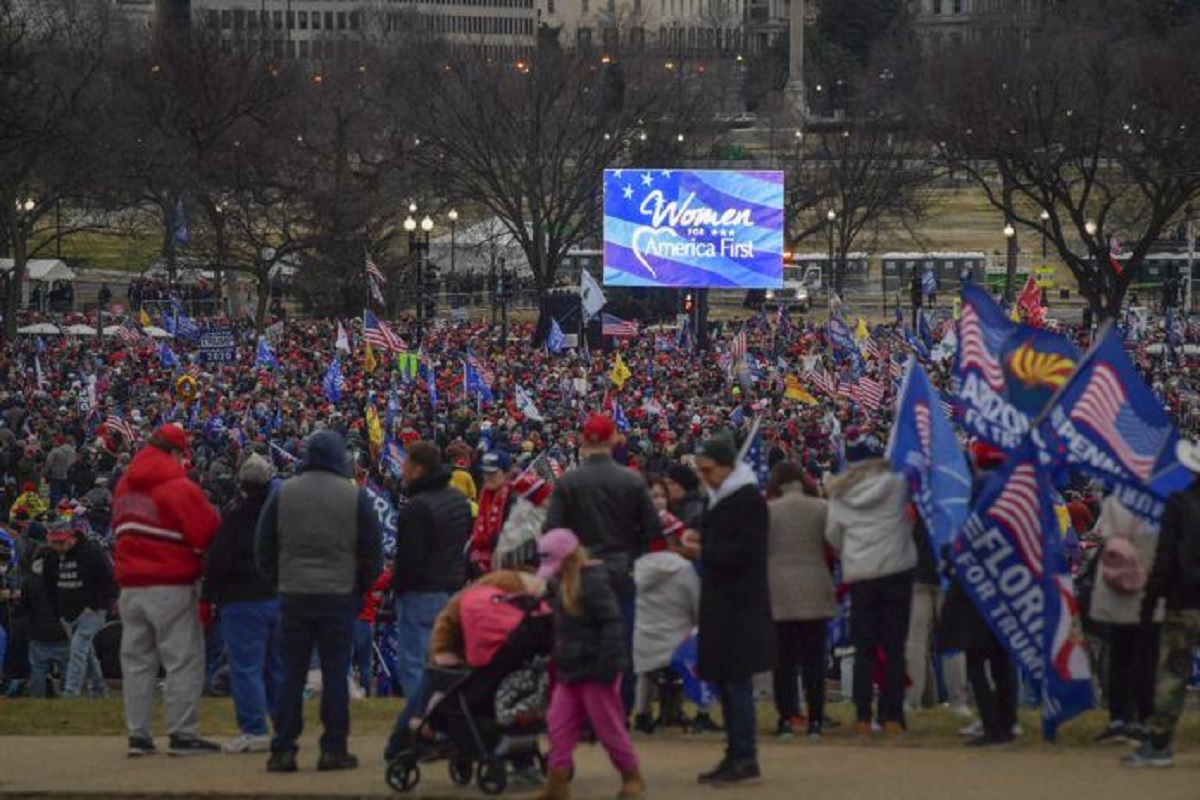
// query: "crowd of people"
[[227, 513]]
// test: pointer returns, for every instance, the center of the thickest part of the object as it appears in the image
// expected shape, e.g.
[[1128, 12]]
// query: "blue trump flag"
[[333, 383], [167, 357], [386, 515], [473, 384], [1010, 560], [264, 357], [924, 448], [555, 339], [426, 372], [1004, 374], [1107, 422]]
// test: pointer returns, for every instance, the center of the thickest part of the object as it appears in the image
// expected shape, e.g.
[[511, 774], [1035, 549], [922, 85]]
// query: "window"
[[637, 7], [341, 19], [304, 48], [958, 6], [583, 7], [937, 6], [316, 19], [276, 19], [212, 19], [354, 17], [303, 20], [328, 20], [549, 6], [226, 19], [291, 20]]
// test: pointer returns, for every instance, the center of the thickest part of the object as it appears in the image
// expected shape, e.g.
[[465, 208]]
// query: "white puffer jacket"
[[869, 521]]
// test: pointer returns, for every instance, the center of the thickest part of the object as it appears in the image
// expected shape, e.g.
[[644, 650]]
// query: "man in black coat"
[[736, 633], [432, 532], [1173, 596], [79, 577]]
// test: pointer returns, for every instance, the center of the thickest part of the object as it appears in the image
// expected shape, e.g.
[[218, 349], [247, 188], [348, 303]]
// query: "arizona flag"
[[1004, 373], [1106, 421], [1009, 558]]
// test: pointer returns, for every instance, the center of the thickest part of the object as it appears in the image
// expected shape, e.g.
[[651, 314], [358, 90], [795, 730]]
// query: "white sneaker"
[[975, 729], [962, 710], [248, 743]]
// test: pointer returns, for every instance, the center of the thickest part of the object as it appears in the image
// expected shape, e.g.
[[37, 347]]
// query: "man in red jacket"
[[163, 523]]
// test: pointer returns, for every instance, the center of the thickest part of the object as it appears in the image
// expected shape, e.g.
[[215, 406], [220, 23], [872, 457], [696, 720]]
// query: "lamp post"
[[831, 218], [452, 215], [20, 240], [1045, 218], [1010, 260], [418, 244]]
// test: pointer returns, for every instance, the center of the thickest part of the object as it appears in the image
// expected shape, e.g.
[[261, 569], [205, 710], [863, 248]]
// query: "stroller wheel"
[[492, 776], [403, 776], [460, 771]]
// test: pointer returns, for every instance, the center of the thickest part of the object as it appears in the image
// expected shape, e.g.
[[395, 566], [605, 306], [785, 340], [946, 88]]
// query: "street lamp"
[[831, 217], [418, 244], [1010, 260]]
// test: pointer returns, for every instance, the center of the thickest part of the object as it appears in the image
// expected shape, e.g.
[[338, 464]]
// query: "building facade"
[[950, 22]]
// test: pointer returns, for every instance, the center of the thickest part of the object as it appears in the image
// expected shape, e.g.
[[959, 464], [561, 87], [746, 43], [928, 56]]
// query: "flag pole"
[[750, 438]]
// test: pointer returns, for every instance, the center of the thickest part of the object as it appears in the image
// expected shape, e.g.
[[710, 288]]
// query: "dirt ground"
[[96, 767]]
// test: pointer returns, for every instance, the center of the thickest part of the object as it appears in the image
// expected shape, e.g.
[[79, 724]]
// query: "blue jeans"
[[83, 663], [737, 706], [251, 634], [325, 622], [415, 614], [42, 655], [362, 652]]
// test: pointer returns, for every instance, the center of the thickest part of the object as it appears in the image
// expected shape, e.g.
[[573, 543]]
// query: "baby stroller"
[[490, 717]]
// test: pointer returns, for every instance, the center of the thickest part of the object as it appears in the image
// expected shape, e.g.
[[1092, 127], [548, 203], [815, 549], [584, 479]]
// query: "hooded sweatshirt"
[[869, 522], [162, 522]]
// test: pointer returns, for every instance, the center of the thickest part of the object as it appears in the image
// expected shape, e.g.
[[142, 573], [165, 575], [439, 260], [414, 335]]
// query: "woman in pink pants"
[[589, 657]]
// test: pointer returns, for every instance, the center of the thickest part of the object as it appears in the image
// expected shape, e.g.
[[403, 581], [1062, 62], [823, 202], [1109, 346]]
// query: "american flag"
[[738, 346], [614, 326], [1018, 508], [1104, 408], [869, 348], [379, 335], [869, 393], [821, 382], [977, 345], [129, 333], [374, 273], [120, 426]]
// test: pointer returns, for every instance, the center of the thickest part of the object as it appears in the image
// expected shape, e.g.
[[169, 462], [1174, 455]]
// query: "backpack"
[[1189, 540], [1121, 566], [487, 619]]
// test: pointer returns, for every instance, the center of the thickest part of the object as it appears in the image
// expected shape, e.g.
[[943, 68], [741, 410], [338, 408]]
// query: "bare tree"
[[1092, 131], [52, 56], [527, 140]]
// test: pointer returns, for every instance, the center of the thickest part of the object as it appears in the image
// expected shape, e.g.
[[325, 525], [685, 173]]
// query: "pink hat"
[[553, 548]]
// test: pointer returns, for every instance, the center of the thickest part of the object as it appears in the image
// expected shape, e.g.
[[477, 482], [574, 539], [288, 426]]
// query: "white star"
[[666, 173], [618, 173], [647, 179], [627, 192]]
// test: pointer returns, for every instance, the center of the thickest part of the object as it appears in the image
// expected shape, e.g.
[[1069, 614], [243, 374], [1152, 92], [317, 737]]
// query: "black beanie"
[[684, 477]]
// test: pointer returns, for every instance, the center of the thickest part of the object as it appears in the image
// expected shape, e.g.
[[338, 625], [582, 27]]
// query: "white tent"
[[155, 332], [40, 329], [39, 270], [79, 329]]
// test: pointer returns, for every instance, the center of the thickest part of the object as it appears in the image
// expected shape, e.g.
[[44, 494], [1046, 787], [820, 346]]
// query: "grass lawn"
[[374, 717]]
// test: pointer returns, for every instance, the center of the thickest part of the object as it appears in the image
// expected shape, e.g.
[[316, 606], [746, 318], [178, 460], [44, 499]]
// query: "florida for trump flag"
[[924, 449], [1009, 558], [1107, 422], [1004, 373]]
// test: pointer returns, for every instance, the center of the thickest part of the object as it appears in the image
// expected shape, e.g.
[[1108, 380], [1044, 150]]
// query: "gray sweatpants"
[[161, 627]]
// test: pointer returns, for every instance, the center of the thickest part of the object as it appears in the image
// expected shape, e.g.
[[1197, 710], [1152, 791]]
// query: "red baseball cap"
[[599, 429], [175, 436]]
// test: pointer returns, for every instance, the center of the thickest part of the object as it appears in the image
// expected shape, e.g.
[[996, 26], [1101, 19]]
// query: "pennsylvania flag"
[[620, 373], [1107, 422]]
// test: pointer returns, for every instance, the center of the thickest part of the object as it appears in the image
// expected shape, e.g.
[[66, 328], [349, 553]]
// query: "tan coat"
[[798, 573], [1107, 605]]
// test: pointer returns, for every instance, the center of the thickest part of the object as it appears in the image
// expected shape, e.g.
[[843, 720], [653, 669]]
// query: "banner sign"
[[720, 229], [218, 346], [386, 514]]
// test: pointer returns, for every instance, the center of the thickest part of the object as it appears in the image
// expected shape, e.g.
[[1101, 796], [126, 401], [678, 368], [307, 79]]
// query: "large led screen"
[[717, 229]]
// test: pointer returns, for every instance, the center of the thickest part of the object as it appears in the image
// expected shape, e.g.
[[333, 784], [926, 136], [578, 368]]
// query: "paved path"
[[95, 767]]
